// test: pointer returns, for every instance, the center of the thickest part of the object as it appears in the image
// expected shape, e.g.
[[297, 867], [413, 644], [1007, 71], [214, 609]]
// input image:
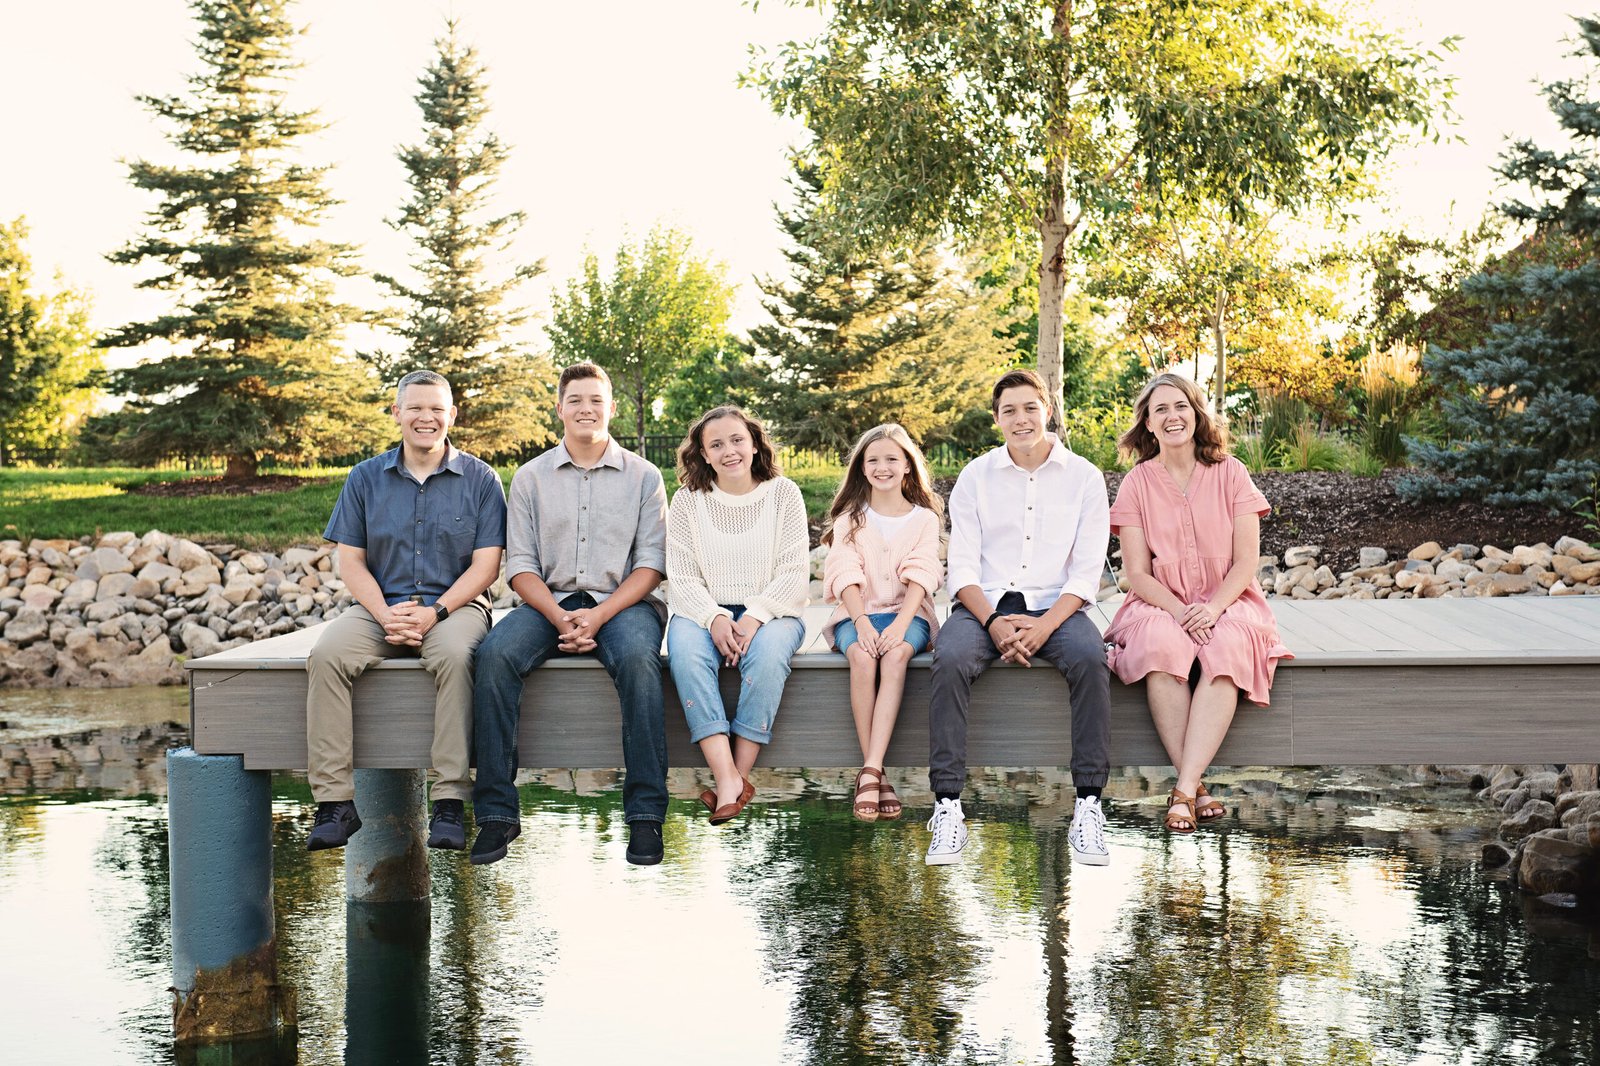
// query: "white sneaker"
[[949, 828], [1088, 833]]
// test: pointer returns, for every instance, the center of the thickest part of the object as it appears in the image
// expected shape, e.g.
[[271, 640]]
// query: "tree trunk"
[[638, 413], [1219, 338], [240, 467], [1052, 294]]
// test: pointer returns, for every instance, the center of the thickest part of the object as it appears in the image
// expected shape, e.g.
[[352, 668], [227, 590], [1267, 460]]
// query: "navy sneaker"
[[492, 840], [644, 843], [336, 823], [446, 828]]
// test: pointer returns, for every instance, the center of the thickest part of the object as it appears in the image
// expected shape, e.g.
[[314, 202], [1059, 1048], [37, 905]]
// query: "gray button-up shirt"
[[419, 536], [586, 530]]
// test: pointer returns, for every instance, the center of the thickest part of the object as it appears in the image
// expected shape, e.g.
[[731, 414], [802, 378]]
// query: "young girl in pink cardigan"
[[883, 568]]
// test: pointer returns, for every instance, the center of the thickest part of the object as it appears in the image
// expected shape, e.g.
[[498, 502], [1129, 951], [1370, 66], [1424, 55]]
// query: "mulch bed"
[[221, 486]]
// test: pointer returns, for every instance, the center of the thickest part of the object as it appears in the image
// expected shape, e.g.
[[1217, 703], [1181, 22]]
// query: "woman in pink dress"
[[1190, 522]]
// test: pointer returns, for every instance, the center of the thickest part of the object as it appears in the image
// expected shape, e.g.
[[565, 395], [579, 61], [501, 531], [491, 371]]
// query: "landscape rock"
[[1426, 552], [186, 555], [29, 626], [39, 597], [1552, 862], [1373, 557], [1532, 817], [1301, 555], [200, 641]]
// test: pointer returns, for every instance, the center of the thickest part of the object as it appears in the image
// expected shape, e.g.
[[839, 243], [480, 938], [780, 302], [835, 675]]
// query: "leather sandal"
[[1176, 820], [863, 811], [709, 798], [728, 811], [1206, 806], [889, 807]]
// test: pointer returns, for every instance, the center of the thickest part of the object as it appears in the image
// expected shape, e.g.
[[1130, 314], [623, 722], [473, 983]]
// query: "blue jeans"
[[694, 660], [628, 646], [844, 634]]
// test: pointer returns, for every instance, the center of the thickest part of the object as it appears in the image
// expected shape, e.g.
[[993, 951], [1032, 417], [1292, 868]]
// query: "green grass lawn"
[[75, 502]]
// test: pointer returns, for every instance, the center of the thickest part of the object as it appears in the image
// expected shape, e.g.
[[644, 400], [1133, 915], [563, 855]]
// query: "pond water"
[[1337, 917]]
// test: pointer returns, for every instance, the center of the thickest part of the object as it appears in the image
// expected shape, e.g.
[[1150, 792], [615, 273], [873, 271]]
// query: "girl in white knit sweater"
[[883, 569], [737, 574]]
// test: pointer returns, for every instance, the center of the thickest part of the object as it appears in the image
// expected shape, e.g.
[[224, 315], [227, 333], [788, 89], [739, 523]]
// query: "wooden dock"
[[1513, 679]]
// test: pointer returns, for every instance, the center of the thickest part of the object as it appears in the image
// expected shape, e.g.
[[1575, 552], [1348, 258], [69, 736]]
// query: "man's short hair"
[[1012, 379], [578, 372], [419, 377]]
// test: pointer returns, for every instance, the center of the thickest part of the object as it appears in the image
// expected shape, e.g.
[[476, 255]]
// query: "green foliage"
[[857, 340], [1415, 283], [1281, 415], [1092, 432], [1307, 448], [1522, 405], [715, 375], [1002, 120], [47, 363], [457, 315], [1253, 452], [660, 307], [1388, 386], [254, 367]]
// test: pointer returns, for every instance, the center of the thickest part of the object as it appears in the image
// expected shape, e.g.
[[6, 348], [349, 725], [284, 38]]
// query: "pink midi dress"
[[1190, 535]]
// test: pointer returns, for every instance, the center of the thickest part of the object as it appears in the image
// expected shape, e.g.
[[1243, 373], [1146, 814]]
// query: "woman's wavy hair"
[[1210, 430], [855, 491], [696, 474]]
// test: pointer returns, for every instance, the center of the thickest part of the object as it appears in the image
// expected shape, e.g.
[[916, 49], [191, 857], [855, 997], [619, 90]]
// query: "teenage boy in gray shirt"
[[586, 541]]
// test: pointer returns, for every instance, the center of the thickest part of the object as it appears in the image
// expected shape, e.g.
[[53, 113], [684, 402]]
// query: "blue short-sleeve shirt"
[[419, 536]]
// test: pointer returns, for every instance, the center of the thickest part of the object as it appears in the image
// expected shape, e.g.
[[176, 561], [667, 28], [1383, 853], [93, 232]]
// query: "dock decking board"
[[1380, 681]]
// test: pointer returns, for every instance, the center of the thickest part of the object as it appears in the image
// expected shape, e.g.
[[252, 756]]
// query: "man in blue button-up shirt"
[[420, 531]]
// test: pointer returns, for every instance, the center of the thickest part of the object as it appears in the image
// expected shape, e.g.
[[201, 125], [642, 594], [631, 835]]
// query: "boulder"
[[31, 667], [88, 570], [1465, 551], [144, 589], [186, 555], [1495, 854], [1532, 817], [118, 540], [1516, 801], [1426, 552], [156, 539], [39, 597], [106, 610], [197, 579], [144, 555], [199, 641], [114, 585], [29, 626], [1505, 584], [252, 562], [1577, 549], [1583, 572], [1322, 577], [1553, 862], [1454, 570], [1532, 555], [125, 672], [159, 572], [1543, 785], [110, 561], [1301, 555], [1574, 808], [305, 558], [1372, 557]]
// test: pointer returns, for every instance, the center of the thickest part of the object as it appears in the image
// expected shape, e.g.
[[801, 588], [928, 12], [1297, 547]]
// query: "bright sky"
[[619, 114]]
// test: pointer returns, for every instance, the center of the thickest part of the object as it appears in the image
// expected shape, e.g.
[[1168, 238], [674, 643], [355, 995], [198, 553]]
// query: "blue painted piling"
[[386, 1002], [224, 952], [387, 861]]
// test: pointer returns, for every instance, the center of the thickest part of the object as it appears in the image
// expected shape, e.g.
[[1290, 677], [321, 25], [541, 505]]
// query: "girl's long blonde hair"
[[854, 491]]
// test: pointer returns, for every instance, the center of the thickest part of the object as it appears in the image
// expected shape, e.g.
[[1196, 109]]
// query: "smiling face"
[[729, 449], [1171, 418], [1021, 414], [586, 408], [424, 414], [885, 465]]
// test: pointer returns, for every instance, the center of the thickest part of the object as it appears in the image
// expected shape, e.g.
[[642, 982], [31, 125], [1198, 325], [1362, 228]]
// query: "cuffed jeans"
[[695, 660], [628, 646], [964, 651]]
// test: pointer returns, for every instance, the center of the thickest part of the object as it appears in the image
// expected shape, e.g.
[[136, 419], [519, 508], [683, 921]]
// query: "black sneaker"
[[492, 840], [336, 823], [644, 843], [445, 828]]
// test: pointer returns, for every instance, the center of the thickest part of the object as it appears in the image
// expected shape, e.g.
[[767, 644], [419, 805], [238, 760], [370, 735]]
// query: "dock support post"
[[387, 861], [224, 950]]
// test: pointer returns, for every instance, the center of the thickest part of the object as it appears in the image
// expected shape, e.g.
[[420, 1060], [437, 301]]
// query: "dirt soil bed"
[[219, 486]]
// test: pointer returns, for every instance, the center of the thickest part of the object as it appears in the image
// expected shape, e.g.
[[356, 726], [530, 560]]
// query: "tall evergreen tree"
[[255, 369], [458, 316], [1522, 406], [47, 362], [859, 340]]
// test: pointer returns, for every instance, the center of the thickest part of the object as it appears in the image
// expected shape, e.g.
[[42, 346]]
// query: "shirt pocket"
[[456, 537]]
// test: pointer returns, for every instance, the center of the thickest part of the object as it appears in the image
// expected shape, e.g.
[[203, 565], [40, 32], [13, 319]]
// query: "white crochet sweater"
[[752, 549]]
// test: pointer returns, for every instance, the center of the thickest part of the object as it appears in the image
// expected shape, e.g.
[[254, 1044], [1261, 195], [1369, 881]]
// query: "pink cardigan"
[[883, 568]]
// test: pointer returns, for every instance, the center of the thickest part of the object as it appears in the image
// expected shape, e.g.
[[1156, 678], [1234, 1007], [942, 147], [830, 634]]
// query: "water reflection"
[[1337, 917]]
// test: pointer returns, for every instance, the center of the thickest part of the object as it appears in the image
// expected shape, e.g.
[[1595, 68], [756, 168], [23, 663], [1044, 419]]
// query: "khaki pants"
[[352, 644]]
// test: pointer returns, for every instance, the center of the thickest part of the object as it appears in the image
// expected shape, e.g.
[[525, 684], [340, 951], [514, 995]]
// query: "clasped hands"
[[407, 623], [732, 639], [1019, 637], [1198, 620], [578, 631]]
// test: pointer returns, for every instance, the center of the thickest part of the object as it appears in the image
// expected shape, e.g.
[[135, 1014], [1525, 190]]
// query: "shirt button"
[[419, 551]]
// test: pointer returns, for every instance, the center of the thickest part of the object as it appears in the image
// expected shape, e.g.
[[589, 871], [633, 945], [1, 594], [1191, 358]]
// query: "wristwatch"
[[441, 612]]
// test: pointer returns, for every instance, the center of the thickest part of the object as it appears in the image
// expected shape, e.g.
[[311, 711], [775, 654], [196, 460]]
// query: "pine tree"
[[458, 318], [1522, 406], [255, 368], [854, 341]]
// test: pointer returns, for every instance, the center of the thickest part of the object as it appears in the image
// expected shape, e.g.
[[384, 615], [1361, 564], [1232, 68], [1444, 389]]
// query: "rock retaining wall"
[[1550, 837]]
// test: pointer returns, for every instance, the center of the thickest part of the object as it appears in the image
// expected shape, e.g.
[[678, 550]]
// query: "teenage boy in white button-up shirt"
[[1029, 526]]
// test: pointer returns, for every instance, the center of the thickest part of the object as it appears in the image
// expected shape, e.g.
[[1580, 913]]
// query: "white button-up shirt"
[[1041, 532]]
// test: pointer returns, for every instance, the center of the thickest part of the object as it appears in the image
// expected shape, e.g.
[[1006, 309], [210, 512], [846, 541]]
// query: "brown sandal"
[[1206, 807], [728, 811], [1177, 821], [889, 807], [867, 812]]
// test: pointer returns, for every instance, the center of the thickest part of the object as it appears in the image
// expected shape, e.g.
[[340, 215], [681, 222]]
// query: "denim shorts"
[[916, 634]]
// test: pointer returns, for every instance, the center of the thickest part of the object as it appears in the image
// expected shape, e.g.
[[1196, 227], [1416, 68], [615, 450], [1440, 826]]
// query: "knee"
[[899, 655], [858, 657]]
